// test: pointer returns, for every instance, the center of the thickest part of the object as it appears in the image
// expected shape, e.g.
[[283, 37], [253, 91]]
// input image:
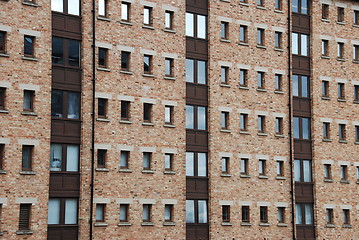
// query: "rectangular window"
[[124, 212], [261, 124], [125, 110], [260, 3], [147, 112], [325, 89], [301, 86], [243, 78], [196, 164], [300, 44], [100, 212], [102, 107], [225, 165], [196, 71], [260, 80], [29, 100], [224, 30], [62, 211], [243, 122], [226, 213], [24, 216], [125, 11], [327, 171], [356, 52], [343, 172], [169, 67], [325, 48], [357, 169], [225, 120], [302, 128], [304, 213], [101, 158], [342, 132], [196, 211], [196, 117], [356, 133], [326, 130], [325, 11], [64, 157], [346, 216], [341, 91], [356, 17], [278, 82], [280, 168], [260, 37], [168, 213], [66, 52], [2, 156], [244, 166], [329, 216], [168, 162], [102, 8], [146, 212], [147, 159], [340, 50], [27, 156], [102, 57], [302, 170], [147, 64], [65, 104], [262, 167], [125, 61], [124, 159], [278, 40], [196, 25], [66, 6], [2, 98], [2, 42], [147, 16], [300, 6], [278, 5], [29, 46], [169, 115], [278, 125], [169, 20], [224, 75], [263, 214], [356, 92], [245, 214], [281, 215], [340, 14], [243, 35]]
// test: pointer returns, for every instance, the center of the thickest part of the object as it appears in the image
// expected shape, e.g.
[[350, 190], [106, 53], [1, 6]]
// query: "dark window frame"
[[301, 129], [127, 159], [196, 27], [2, 98], [171, 211], [3, 35], [325, 11], [329, 216], [170, 160], [226, 213], [196, 212], [355, 52], [280, 167], [300, 7], [102, 107], [128, 12], [243, 34], [262, 163], [29, 51], [243, 121], [195, 71], [346, 216], [261, 76], [225, 169], [245, 213], [125, 110], [147, 64], [125, 61], [126, 206], [196, 117], [103, 210], [224, 120], [341, 90], [196, 164], [66, 53], [327, 171], [170, 15], [169, 61], [149, 212], [224, 75], [150, 156], [27, 160], [341, 14], [2, 157], [101, 158], [356, 129], [147, 112], [356, 17], [65, 101], [279, 126], [105, 5], [325, 48], [303, 213], [102, 57], [301, 165], [65, 9], [64, 158], [343, 172], [243, 77], [342, 132], [326, 130], [31, 99], [299, 44], [246, 166], [62, 212], [278, 5], [325, 89], [341, 50], [25, 217], [301, 86], [278, 78], [150, 16], [260, 37], [263, 214], [281, 214], [261, 124], [171, 114], [278, 36], [224, 30]]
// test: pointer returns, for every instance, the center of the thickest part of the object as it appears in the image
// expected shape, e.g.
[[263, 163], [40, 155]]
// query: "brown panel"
[[301, 23], [66, 25], [196, 48], [301, 107], [197, 232], [196, 188], [197, 139], [64, 184], [304, 192], [306, 232], [301, 65], [196, 94], [68, 131], [302, 149], [66, 78], [62, 233], [197, 6]]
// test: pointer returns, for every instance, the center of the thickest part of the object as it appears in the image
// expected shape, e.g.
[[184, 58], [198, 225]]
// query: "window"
[[169, 67], [102, 8], [196, 25], [101, 158], [280, 168], [29, 100], [302, 128], [2, 156], [278, 126], [325, 48], [329, 216], [356, 133], [263, 214], [65, 104], [147, 159], [243, 35], [66, 52], [300, 86], [66, 6], [196, 117], [225, 165], [300, 6], [168, 162], [243, 75], [196, 164], [124, 212], [344, 172], [325, 89], [356, 17], [29, 46], [63, 211], [281, 215], [169, 115], [147, 64], [304, 213], [64, 157], [124, 159], [356, 92], [225, 120], [340, 50], [244, 166], [261, 124], [125, 11], [102, 57], [196, 71], [102, 107], [125, 61], [262, 167], [224, 75], [356, 52], [0, 216], [260, 80], [278, 5], [346, 216], [325, 11], [226, 213], [168, 213], [243, 122], [100, 212], [2, 42], [147, 112], [342, 132], [341, 91], [302, 170], [224, 30], [278, 82], [169, 20], [326, 130], [147, 16], [260, 37], [27, 155], [243, 1], [196, 211], [260, 3], [300, 44], [125, 110], [327, 171], [278, 40], [245, 214], [2, 98], [340, 14], [24, 217], [146, 212], [357, 169]]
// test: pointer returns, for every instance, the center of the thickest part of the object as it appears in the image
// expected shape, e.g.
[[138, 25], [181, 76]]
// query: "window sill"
[[282, 225], [225, 40], [341, 23], [169, 30], [325, 20], [244, 176], [278, 50], [261, 7], [355, 61], [264, 224], [24, 232], [262, 177], [1, 233], [325, 57], [347, 226], [104, 69], [125, 170], [327, 140], [244, 132], [358, 181], [2, 172], [341, 59], [148, 171], [148, 27], [4, 55], [261, 46], [341, 100], [226, 1], [30, 59], [102, 170], [169, 172], [126, 72], [344, 181], [125, 23], [148, 124], [225, 131], [325, 98], [356, 101], [246, 224], [169, 224], [148, 75], [262, 134], [261, 90], [27, 172], [329, 225], [226, 175], [27, 113], [30, 4], [169, 78], [355, 25], [357, 143], [226, 224], [147, 224], [4, 111], [243, 43], [243, 87], [225, 85], [169, 125], [100, 224], [328, 180], [279, 11], [125, 122], [279, 136], [102, 119], [343, 141], [280, 178], [124, 224], [104, 19]]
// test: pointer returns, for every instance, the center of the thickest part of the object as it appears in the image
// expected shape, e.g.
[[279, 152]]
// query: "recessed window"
[[325, 11], [147, 16], [304, 214], [146, 212], [302, 170], [24, 216], [29, 46], [328, 171], [244, 166], [263, 214], [124, 212], [196, 25], [280, 168], [326, 130], [262, 167], [147, 64], [278, 4], [346, 216], [101, 158], [278, 125], [341, 91], [63, 211], [102, 57], [147, 112], [302, 128], [29, 100], [357, 173], [243, 35], [329, 216], [243, 122], [343, 172], [278, 82], [281, 215], [147, 159], [356, 17], [260, 3], [125, 11], [102, 107], [356, 92], [2, 156], [301, 86], [278, 40], [66, 52], [260, 80], [2, 42], [196, 117], [169, 67], [224, 75], [340, 50], [27, 157], [226, 213], [300, 6], [125, 110], [243, 78], [300, 44], [196, 71], [196, 164], [102, 8], [64, 157], [66, 6], [261, 124], [356, 133], [169, 115], [225, 165], [100, 212], [245, 214], [225, 120], [340, 14], [325, 48], [168, 213], [325, 89], [169, 20], [65, 104], [124, 159], [168, 161], [196, 211], [356, 52], [224, 30], [260, 37], [125, 61]]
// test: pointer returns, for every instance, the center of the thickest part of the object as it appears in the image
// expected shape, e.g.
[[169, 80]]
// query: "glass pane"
[[167, 114], [297, 171], [243, 166], [190, 211], [223, 120], [189, 24], [304, 9], [295, 43], [146, 160], [74, 7], [167, 212], [189, 117], [123, 212], [279, 168], [123, 158], [73, 106], [53, 216], [101, 8], [71, 211], [99, 212], [56, 157], [74, 53], [167, 161], [223, 75], [304, 44], [57, 5], [57, 50], [202, 164], [296, 127], [72, 157], [124, 11], [201, 72], [242, 36], [202, 211], [224, 165], [146, 212], [307, 171], [189, 70], [295, 80], [201, 26], [295, 4], [28, 45], [189, 164], [168, 67], [308, 214], [305, 128], [305, 86], [146, 16], [202, 118], [298, 214], [27, 100], [167, 20], [26, 157], [56, 103]]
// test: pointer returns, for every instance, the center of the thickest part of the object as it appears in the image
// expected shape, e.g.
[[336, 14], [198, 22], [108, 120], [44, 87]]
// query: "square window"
[[261, 80], [325, 11], [278, 82], [125, 110], [243, 122], [169, 67], [102, 57], [102, 107], [27, 155], [168, 161], [125, 11], [226, 213], [102, 8], [260, 37], [124, 212], [262, 167], [346, 216], [245, 214], [325, 48], [343, 172], [340, 14], [101, 158], [168, 213], [124, 159], [243, 36], [341, 91], [2, 98], [342, 132], [147, 158], [261, 124], [326, 130], [263, 212], [147, 64], [280, 168], [2, 42], [243, 78], [147, 112], [244, 166], [147, 16], [278, 125], [325, 89], [169, 20], [169, 115], [125, 61], [29, 100], [329, 216], [100, 212], [225, 120], [281, 214], [225, 165], [146, 212], [278, 40], [340, 50], [224, 75], [224, 30], [24, 216], [29, 43], [327, 171]]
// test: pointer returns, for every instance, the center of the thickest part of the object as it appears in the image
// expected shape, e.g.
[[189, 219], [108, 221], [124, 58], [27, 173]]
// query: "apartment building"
[[192, 119]]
